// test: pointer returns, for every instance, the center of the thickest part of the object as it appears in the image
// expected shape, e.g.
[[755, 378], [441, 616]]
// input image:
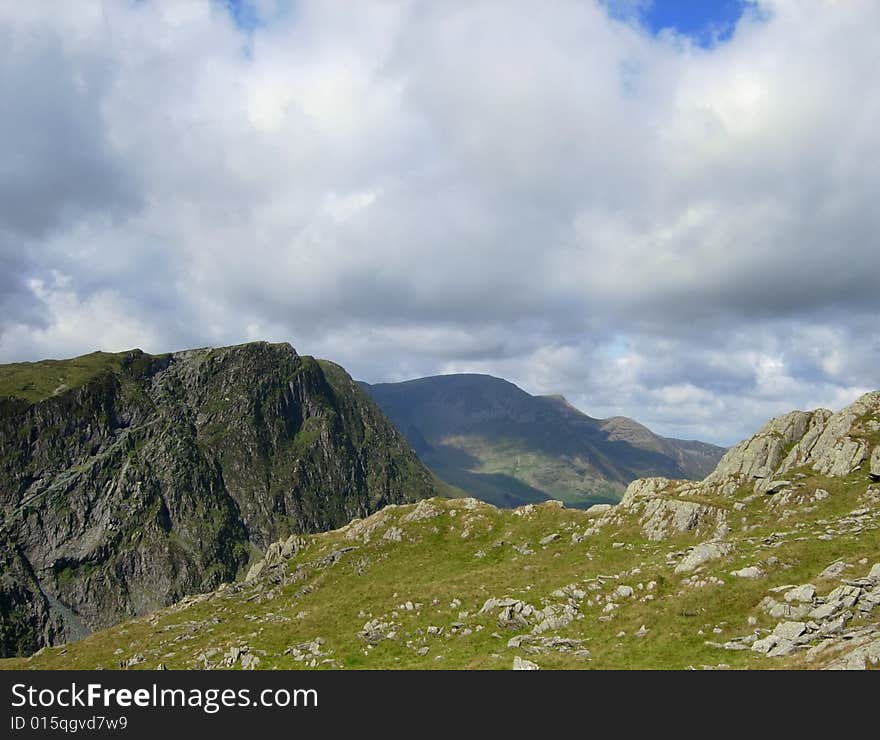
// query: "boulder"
[[859, 658], [423, 510], [765, 644], [249, 662], [801, 594], [782, 647], [790, 630], [520, 664], [665, 517], [751, 571], [834, 570], [598, 509], [823, 612], [702, 553], [874, 464]]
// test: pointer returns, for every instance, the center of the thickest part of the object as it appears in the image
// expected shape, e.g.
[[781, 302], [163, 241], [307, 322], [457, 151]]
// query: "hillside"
[[771, 562], [504, 446], [128, 481]]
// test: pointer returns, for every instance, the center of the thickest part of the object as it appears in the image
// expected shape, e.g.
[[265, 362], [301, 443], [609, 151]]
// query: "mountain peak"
[[131, 480], [492, 439]]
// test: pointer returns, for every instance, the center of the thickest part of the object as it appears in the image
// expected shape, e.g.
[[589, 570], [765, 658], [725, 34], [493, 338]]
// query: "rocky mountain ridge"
[[746, 569], [130, 481], [779, 461]]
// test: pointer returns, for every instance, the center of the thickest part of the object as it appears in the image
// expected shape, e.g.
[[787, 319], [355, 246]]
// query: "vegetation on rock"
[[727, 573], [128, 481]]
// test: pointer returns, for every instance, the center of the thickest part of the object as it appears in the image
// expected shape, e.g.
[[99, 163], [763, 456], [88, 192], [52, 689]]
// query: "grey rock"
[[782, 647], [520, 664], [755, 458], [134, 660], [249, 662], [701, 554], [765, 644], [834, 570], [801, 594], [823, 612], [859, 659], [255, 570], [844, 596], [423, 511], [555, 619], [291, 546], [376, 630], [665, 517], [834, 452], [874, 464], [751, 571], [599, 509], [734, 645], [790, 630], [834, 627]]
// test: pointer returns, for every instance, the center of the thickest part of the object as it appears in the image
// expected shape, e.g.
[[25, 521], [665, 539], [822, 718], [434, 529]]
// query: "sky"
[[665, 210]]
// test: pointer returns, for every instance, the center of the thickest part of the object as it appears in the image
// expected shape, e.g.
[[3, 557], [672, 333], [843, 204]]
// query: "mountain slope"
[[128, 481], [771, 562], [507, 447]]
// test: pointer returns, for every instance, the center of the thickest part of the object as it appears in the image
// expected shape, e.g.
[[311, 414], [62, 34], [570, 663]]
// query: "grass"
[[33, 382], [564, 478], [437, 565]]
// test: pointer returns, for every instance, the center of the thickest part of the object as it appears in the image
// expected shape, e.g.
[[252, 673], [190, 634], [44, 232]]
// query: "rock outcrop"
[[821, 442], [662, 513], [145, 478]]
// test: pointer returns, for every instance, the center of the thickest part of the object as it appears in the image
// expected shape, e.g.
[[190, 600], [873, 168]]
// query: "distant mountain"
[[128, 481], [500, 444]]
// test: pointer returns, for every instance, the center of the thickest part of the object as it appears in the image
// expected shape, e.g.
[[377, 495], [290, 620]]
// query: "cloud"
[[685, 235]]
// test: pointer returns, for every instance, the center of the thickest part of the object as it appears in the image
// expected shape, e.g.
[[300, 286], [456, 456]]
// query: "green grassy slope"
[[426, 576], [33, 382]]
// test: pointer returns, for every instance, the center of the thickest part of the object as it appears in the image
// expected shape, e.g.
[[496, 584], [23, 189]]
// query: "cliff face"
[[140, 479]]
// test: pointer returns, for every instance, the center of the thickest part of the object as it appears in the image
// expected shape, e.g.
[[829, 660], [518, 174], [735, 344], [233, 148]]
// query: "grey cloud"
[[58, 162], [681, 235]]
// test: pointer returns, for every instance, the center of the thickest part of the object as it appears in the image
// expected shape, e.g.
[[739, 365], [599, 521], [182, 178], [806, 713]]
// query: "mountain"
[[128, 481], [771, 562], [493, 440]]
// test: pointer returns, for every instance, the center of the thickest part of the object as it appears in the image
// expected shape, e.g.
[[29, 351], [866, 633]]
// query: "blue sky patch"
[[244, 13], [706, 22]]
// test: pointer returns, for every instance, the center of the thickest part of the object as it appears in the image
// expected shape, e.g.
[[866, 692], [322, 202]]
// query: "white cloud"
[[687, 236]]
